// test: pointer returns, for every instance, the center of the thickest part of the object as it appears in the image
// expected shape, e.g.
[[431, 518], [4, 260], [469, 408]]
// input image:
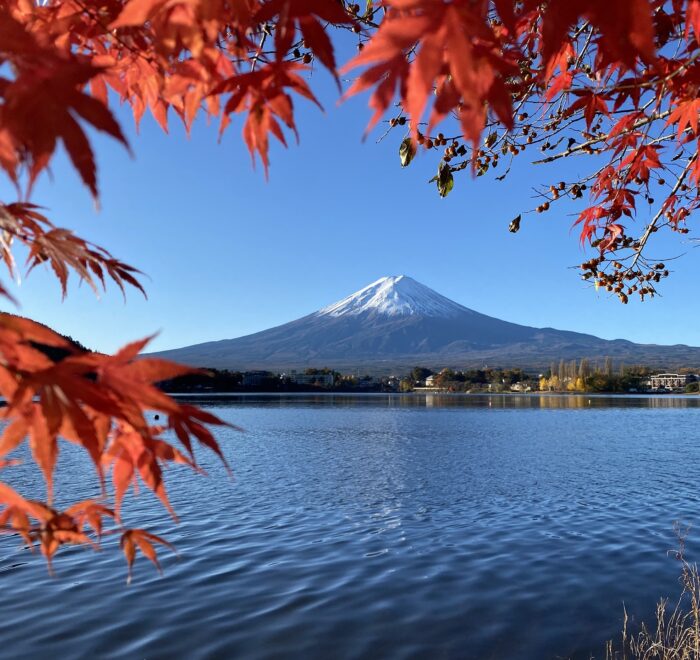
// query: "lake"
[[389, 526]]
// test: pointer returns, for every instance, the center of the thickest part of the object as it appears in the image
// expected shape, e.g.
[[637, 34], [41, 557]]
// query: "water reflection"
[[436, 400]]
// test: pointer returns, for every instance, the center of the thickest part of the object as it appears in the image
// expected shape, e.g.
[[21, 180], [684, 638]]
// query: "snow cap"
[[396, 295]]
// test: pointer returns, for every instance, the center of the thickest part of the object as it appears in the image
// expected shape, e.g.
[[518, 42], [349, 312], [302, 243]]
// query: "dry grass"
[[676, 635]]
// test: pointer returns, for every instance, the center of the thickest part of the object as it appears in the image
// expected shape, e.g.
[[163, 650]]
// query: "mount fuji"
[[397, 322]]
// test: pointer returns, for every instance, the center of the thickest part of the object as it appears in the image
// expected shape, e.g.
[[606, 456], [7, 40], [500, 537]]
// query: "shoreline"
[[597, 395]]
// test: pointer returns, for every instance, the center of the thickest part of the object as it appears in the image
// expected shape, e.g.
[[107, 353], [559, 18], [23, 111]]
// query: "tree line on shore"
[[311, 379], [581, 376], [563, 376], [605, 376]]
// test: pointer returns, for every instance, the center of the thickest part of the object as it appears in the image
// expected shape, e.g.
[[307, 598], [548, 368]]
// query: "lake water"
[[384, 526]]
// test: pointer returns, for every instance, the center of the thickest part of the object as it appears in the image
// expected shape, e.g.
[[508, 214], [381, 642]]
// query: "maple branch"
[[651, 84], [583, 145], [261, 45], [585, 46], [651, 227], [114, 34]]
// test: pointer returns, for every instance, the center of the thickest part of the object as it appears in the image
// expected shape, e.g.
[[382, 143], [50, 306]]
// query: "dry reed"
[[676, 635]]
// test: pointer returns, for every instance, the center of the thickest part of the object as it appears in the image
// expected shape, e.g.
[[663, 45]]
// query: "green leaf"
[[406, 152], [444, 179]]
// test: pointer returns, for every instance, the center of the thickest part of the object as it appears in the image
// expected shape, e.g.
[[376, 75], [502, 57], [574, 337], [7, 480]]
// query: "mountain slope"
[[398, 322]]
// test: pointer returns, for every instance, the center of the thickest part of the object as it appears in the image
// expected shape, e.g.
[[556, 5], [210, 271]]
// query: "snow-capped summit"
[[397, 295]]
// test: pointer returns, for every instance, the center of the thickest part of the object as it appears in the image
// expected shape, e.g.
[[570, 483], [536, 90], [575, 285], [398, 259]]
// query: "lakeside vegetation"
[[676, 633], [308, 380], [581, 376], [565, 376]]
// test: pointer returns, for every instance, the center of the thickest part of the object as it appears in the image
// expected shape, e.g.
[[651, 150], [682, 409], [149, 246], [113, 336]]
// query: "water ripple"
[[373, 528]]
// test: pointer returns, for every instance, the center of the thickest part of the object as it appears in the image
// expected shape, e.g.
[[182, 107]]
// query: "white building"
[[521, 387], [669, 381]]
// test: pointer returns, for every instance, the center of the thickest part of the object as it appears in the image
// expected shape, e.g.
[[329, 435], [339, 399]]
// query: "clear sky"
[[227, 253]]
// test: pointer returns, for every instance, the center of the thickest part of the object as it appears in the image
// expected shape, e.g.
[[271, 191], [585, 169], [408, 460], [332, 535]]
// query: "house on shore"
[[665, 382]]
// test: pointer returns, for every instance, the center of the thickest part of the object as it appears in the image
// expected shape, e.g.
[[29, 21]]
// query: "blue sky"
[[227, 253]]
